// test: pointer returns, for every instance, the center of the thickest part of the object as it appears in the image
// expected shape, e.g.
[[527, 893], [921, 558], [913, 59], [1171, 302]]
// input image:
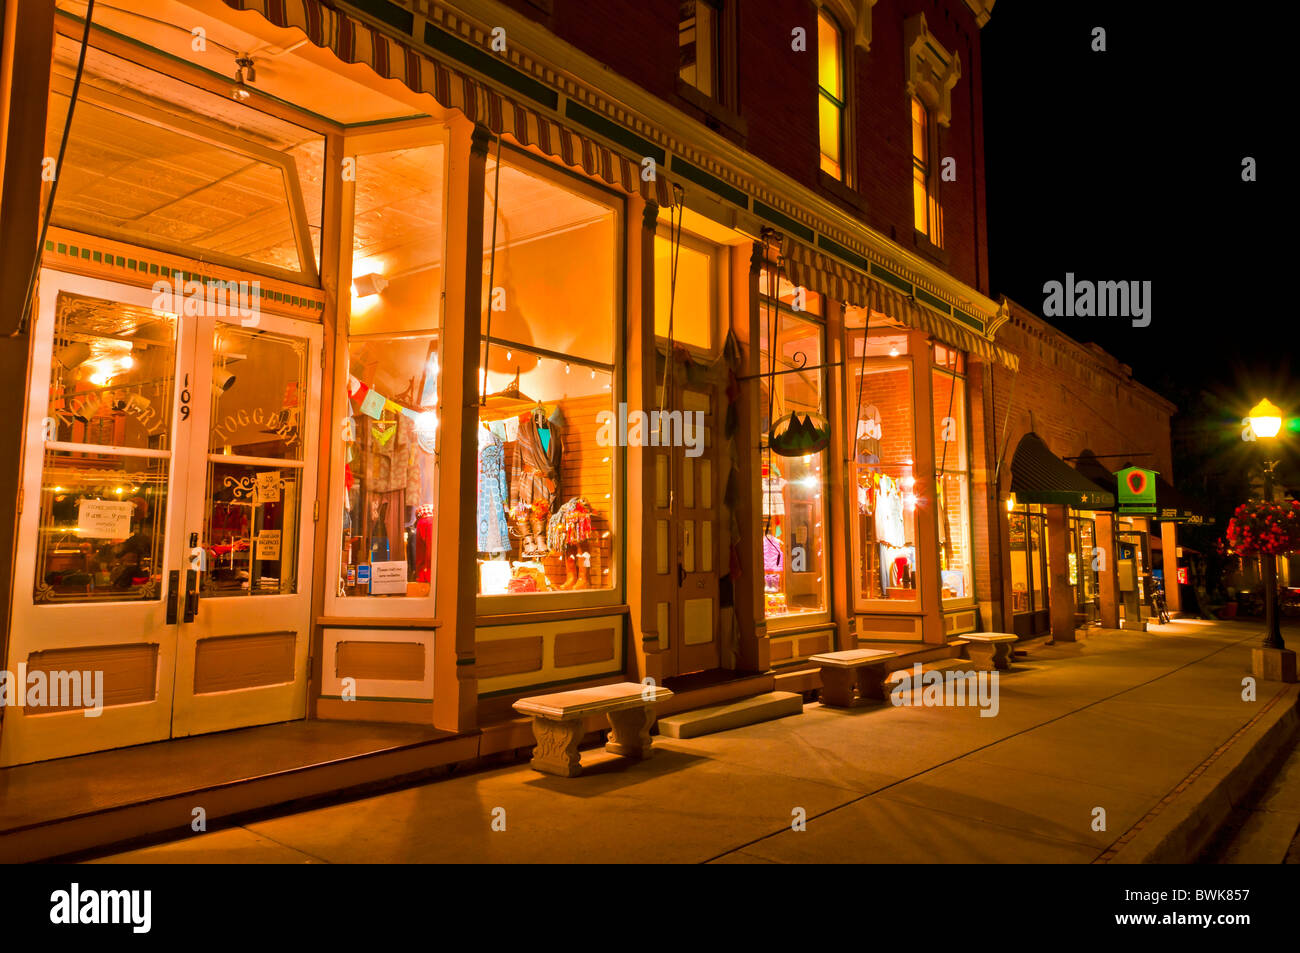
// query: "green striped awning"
[[354, 41], [1040, 476], [819, 272]]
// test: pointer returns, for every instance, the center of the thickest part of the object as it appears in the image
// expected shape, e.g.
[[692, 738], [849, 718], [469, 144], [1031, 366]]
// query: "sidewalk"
[[1118, 721]]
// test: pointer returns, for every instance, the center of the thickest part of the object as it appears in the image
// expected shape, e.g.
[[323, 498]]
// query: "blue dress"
[[493, 530]]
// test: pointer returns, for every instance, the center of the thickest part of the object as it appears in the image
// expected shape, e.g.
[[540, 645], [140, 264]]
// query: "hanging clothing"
[[535, 469], [570, 525], [493, 531], [889, 513]]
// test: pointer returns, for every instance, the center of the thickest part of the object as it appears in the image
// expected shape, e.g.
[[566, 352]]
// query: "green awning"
[[1040, 476]]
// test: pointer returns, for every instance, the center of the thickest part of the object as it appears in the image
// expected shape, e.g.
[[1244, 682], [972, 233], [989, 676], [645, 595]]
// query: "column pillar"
[[1061, 597], [1169, 547], [455, 693], [926, 512], [1107, 570]]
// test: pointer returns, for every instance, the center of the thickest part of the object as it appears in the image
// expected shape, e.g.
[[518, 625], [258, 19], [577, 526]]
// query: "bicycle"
[[1158, 603]]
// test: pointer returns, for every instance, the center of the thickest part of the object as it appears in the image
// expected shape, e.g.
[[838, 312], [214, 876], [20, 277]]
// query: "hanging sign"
[[104, 519], [1137, 490], [267, 487], [797, 434]]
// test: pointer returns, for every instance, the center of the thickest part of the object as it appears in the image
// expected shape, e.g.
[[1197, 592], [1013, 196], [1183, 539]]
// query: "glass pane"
[[793, 486], [1020, 565], [217, 182], [920, 202], [112, 374], [697, 45], [546, 476], [101, 528], [829, 73], [259, 384], [692, 305], [390, 441], [555, 277], [251, 530], [884, 526], [920, 130], [828, 128]]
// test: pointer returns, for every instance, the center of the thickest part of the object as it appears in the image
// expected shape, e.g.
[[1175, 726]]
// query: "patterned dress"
[[493, 531]]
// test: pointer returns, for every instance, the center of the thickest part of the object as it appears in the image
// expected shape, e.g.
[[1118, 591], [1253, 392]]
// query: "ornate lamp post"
[[1266, 420]]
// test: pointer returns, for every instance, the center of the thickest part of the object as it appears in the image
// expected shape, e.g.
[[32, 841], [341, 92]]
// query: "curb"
[[1186, 820]]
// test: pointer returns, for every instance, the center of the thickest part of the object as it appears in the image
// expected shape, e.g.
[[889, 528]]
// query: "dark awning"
[[1040, 476]]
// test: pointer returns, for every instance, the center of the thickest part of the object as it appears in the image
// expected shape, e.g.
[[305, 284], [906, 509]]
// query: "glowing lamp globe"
[[1265, 419]]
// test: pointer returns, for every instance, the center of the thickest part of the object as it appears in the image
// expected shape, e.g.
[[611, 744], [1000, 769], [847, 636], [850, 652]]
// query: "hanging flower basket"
[[1271, 529], [797, 434]]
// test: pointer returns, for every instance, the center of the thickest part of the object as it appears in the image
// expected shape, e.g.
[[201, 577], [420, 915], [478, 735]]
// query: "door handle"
[[191, 595], [173, 594]]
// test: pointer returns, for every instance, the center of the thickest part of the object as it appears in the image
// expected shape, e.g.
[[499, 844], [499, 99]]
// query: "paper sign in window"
[[268, 544], [104, 519], [388, 578], [267, 489]]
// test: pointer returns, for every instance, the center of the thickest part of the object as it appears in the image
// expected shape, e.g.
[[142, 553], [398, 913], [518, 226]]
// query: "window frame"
[[841, 105], [929, 169], [958, 371]]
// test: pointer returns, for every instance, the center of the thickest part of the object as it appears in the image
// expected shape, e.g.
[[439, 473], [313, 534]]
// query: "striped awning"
[[819, 272], [353, 41]]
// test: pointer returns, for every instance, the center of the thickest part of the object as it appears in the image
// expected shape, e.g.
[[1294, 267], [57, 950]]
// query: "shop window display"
[[952, 474], [882, 466], [1028, 545], [389, 430], [547, 506], [794, 469]]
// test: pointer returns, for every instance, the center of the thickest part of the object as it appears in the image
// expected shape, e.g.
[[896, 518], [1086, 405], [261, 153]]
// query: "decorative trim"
[[931, 71], [982, 9]]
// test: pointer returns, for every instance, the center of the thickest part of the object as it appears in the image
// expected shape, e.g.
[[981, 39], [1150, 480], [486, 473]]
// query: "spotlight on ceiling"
[[245, 73], [368, 285]]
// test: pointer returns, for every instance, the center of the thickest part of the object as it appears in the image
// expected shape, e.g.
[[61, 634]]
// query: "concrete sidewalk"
[[1119, 721]]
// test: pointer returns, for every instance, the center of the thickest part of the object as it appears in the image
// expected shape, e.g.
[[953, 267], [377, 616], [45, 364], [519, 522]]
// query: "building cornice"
[[691, 148], [983, 9]]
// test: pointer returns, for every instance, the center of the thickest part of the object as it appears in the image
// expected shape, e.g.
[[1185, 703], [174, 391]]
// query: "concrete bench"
[[558, 718], [861, 669], [990, 650]]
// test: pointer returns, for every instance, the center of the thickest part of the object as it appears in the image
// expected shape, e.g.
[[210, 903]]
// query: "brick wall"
[[777, 100], [1080, 398]]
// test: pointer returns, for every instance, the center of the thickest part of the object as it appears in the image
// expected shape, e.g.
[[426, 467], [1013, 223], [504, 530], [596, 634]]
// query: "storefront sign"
[[104, 519], [1137, 490], [268, 544], [388, 578]]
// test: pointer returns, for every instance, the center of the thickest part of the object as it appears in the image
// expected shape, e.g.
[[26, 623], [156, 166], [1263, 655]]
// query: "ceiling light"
[[367, 285]]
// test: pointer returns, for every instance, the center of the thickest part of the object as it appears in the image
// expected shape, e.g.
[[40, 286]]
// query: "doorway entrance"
[[1031, 611], [685, 515], [165, 550]]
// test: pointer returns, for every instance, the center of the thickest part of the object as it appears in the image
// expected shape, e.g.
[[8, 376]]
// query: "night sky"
[[1127, 165]]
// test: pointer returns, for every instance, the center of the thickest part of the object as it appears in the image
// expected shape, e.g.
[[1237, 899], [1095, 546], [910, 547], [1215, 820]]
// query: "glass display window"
[[1028, 548], [882, 470], [550, 449], [793, 395], [952, 477], [388, 429]]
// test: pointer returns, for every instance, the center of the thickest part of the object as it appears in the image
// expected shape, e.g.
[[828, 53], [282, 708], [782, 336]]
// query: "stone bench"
[[558, 719], [990, 650], [861, 669]]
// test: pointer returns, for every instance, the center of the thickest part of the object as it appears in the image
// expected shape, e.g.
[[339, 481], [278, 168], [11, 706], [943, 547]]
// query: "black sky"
[[1126, 165]]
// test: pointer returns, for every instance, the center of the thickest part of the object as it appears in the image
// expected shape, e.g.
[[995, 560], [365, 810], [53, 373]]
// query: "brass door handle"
[[191, 595]]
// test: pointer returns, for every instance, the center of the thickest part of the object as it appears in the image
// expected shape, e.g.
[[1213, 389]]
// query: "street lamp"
[[1266, 420]]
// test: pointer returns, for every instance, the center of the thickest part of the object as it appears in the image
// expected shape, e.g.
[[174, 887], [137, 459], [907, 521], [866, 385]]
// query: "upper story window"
[[927, 214], [831, 112], [699, 45]]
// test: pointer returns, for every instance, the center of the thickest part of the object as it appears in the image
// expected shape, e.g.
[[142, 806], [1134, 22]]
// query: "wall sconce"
[[368, 285], [245, 73], [1011, 502]]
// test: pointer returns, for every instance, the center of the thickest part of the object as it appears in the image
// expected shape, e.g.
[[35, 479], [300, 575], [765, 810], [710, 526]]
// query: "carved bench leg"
[[982, 655], [871, 680], [837, 687], [629, 733], [557, 747], [1002, 655]]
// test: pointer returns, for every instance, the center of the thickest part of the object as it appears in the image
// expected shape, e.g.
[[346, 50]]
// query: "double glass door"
[[166, 517]]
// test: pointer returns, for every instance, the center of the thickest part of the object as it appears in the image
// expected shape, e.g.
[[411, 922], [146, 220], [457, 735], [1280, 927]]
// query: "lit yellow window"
[[926, 212], [830, 89]]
